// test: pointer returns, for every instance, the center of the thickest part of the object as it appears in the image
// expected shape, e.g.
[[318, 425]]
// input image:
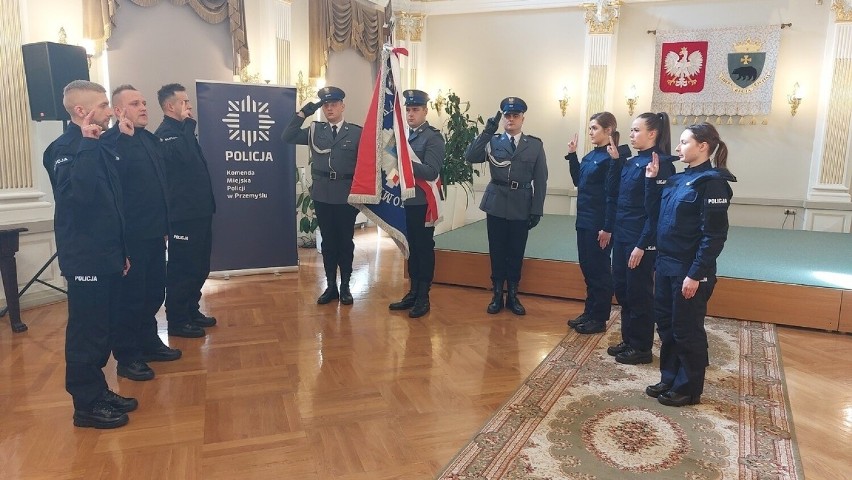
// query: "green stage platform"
[[773, 261]]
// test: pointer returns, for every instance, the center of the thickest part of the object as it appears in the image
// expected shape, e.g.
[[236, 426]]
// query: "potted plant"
[[307, 220], [456, 174]]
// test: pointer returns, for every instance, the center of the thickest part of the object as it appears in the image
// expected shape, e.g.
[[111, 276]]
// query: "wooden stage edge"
[[784, 304]]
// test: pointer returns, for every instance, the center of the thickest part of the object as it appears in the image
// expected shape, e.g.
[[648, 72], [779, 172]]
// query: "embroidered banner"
[[718, 72]]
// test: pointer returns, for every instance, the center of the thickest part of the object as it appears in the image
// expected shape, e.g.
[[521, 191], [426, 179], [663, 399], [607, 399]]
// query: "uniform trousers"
[[596, 265], [634, 290], [93, 311], [680, 323], [142, 292], [421, 244], [190, 244], [337, 224], [507, 241]]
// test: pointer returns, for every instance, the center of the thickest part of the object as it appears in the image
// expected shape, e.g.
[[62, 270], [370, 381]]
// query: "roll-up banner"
[[253, 174]]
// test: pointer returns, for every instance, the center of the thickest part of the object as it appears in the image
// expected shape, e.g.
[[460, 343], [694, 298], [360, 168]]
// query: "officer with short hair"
[[89, 227], [513, 200], [333, 147], [428, 144]]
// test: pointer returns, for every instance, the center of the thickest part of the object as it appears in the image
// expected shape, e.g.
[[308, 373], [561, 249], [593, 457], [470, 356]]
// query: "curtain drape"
[[336, 25], [98, 21]]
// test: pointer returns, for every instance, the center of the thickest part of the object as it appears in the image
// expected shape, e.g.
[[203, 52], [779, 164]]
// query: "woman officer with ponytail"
[[596, 179], [634, 248], [691, 231]]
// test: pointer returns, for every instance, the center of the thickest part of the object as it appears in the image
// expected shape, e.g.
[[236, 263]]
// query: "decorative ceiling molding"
[[842, 11], [453, 7]]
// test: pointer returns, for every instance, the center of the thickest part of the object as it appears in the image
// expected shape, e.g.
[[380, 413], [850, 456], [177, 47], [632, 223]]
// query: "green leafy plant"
[[305, 211], [459, 132]]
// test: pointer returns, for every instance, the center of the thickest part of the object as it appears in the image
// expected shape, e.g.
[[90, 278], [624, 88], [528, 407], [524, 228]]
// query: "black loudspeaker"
[[49, 67]]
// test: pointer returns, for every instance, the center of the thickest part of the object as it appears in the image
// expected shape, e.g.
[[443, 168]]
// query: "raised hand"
[[493, 122], [310, 108], [653, 167], [89, 129], [612, 149], [572, 145], [124, 124]]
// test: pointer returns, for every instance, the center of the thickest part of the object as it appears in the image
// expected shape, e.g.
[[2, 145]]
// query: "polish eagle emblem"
[[683, 67]]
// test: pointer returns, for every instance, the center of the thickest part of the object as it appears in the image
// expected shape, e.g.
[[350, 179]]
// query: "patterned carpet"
[[581, 415]]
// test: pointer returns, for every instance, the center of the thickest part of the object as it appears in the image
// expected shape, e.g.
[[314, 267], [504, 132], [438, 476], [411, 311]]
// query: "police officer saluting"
[[333, 147], [428, 144], [513, 200], [90, 241]]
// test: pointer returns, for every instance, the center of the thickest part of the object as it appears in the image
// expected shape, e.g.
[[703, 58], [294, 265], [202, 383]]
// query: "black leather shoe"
[[672, 399], [590, 327], [657, 389], [100, 415], [187, 330], [406, 303], [346, 294], [513, 304], [161, 354], [632, 356], [116, 401], [496, 298], [328, 295], [138, 371], [616, 349], [204, 321], [583, 318], [421, 303]]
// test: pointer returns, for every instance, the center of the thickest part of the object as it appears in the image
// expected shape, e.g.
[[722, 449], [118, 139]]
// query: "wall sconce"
[[89, 45], [563, 102], [632, 98], [794, 99], [303, 89], [439, 102]]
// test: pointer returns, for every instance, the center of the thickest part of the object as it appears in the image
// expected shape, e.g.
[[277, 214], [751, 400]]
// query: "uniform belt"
[[511, 184], [332, 175]]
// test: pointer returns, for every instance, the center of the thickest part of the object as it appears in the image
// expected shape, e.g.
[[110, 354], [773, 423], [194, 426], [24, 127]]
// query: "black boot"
[[330, 292], [421, 303], [345, 294], [497, 300], [512, 302], [408, 300]]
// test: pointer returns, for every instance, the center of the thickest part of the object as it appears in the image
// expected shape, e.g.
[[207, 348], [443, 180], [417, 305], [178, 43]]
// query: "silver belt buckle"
[[332, 175], [513, 185]]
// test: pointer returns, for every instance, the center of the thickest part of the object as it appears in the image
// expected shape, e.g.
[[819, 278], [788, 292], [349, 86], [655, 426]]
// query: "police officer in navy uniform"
[[597, 178], [143, 181], [333, 147], [191, 208], [428, 144], [691, 232], [513, 200], [89, 228]]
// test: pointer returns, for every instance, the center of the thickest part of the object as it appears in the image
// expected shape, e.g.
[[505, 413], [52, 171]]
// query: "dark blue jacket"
[[631, 220], [143, 181], [693, 220], [190, 191], [597, 178], [88, 220]]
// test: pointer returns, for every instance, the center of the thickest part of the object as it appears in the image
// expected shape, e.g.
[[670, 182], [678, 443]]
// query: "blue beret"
[[415, 98], [330, 94], [513, 105]]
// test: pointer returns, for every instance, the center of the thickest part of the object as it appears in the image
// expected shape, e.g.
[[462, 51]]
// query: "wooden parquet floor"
[[283, 388]]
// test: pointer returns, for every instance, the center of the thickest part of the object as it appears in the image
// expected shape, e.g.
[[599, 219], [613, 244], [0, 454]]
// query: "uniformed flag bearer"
[[513, 199], [428, 144], [333, 149]]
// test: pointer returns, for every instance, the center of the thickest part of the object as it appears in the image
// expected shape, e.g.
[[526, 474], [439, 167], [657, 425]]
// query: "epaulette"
[[533, 136], [434, 129], [355, 125]]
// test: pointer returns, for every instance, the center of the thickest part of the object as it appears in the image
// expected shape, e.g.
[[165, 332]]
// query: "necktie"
[[334, 131], [512, 141], [411, 135]]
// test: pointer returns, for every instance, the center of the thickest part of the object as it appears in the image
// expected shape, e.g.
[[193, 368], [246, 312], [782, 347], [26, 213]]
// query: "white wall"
[[487, 56]]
